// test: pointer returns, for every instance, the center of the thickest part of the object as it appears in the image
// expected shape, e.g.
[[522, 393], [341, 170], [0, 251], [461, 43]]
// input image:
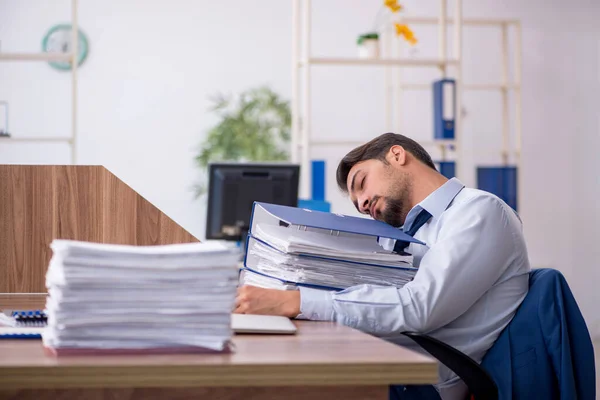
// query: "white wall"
[[152, 65]]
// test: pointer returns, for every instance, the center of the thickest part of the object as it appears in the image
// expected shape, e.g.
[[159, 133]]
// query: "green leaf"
[[255, 126]]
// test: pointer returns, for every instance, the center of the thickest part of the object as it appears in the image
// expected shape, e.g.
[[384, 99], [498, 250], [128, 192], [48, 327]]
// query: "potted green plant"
[[254, 126], [368, 43]]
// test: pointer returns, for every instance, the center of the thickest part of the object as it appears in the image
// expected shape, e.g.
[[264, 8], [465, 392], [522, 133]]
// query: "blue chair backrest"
[[546, 351]]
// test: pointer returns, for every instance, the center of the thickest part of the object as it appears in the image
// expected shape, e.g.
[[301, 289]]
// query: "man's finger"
[[240, 310], [241, 298]]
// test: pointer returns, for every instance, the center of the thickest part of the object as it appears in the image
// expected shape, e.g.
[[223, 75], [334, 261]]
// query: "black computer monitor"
[[234, 187]]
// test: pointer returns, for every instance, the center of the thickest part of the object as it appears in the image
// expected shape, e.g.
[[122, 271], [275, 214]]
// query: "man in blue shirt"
[[473, 272]]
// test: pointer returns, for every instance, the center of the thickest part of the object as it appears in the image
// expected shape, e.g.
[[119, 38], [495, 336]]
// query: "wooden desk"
[[323, 361], [22, 301]]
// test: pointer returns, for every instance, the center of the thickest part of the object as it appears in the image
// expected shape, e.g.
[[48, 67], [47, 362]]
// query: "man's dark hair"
[[377, 149]]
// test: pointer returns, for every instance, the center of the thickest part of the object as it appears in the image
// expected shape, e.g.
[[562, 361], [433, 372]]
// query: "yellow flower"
[[392, 5], [404, 30]]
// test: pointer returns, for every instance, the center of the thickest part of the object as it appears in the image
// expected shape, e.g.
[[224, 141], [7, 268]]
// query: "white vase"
[[369, 48]]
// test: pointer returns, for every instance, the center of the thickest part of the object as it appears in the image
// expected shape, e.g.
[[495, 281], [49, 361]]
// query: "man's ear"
[[396, 155]]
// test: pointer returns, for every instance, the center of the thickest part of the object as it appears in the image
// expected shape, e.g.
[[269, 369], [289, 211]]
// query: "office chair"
[[544, 352], [480, 383]]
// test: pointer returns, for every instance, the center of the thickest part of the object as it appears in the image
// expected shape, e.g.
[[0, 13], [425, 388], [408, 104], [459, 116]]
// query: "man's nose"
[[363, 204]]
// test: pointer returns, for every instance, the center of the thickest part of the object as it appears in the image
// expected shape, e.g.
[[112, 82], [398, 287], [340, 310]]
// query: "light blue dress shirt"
[[473, 274]]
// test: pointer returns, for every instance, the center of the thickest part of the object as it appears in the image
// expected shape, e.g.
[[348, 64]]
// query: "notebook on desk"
[[22, 324], [14, 332], [24, 318]]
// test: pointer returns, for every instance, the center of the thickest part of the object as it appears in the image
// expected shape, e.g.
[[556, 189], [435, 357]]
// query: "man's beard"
[[393, 213], [396, 203]]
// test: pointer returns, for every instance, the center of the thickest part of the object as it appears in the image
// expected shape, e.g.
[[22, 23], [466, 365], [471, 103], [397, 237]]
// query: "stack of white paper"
[[349, 248], [115, 297], [282, 257]]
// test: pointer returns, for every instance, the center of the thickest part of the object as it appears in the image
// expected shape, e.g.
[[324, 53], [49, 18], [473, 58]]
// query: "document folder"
[[444, 108], [335, 224], [289, 247]]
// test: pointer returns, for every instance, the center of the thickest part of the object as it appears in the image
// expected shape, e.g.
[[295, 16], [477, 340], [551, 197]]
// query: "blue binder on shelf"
[[446, 168], [317, 202], [318, 180], [501, 181], [444, 108]]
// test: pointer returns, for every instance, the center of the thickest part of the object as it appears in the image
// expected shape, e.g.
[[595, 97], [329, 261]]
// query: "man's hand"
[[255, 300]]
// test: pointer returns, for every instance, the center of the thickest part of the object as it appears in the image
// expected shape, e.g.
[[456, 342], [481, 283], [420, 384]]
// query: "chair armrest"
[[480, 383]]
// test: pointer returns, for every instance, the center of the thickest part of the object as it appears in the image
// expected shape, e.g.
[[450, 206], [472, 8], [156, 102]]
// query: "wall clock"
[[59, 40]]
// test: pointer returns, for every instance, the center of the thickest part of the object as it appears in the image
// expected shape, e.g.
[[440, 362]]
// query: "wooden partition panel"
[[39, 203]]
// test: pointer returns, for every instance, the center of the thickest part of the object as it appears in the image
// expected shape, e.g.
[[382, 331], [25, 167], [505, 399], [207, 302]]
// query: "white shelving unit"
[[379, 62], [34, 57], [48, 57], [303, 62]]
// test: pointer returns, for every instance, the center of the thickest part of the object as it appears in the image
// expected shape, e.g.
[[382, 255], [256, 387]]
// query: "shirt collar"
[[437, 202]]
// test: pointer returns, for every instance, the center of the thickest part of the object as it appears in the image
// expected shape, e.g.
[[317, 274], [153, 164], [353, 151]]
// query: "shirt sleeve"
[[475, 245]]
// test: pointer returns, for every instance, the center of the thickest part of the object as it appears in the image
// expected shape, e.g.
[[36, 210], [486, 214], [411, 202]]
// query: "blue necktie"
[[421, 220]]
